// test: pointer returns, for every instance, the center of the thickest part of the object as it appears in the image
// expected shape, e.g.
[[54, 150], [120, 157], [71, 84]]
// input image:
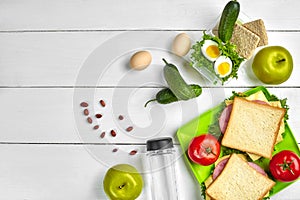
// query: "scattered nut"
[[98, 116], [133, 152], [86, 112], [113, 133], [96, 127], [115, 150], [129, 128], [89, 120], [102, 135], [84, 104], [102, 103]]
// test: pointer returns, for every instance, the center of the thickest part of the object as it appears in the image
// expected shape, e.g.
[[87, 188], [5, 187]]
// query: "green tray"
[[199, 126]]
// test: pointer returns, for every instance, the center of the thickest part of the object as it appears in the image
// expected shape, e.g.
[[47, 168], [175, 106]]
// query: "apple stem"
[[121, 186], [281, 60]]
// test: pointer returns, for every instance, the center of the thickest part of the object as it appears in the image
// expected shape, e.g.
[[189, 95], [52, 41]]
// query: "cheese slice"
[[207, 182], [257, 96], [253, 157]]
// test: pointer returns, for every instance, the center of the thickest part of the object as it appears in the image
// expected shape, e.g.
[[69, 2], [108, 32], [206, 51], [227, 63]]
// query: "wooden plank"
[[33, 172], [42, 115], [74, 172], [18, 15], [101, 59]]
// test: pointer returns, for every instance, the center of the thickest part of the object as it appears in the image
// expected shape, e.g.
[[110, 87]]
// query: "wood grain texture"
[[33, 172], [48, 65], [41, 115], [58, 59], [55, 15]]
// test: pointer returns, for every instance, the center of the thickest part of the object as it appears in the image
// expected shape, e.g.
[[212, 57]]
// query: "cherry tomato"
[[204, 149], [285, 166]]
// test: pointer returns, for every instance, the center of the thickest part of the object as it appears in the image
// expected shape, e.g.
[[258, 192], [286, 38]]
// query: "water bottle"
[[160, 156]]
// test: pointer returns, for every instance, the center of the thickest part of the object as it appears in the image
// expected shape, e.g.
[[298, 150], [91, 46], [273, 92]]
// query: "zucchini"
[[177, 85], [228, 19]]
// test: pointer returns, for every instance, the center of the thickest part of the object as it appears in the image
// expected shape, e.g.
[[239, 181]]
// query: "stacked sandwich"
[[253, 127]]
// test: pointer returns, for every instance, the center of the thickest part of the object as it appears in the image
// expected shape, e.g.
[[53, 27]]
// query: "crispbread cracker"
[[245, 41], [258, 27], [239, 181], [253, 127]]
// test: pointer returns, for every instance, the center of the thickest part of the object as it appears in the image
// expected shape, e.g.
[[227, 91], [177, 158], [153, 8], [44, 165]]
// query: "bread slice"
[[253, 127], [245, 41], [258, 27], [239, 181], [261, 96]]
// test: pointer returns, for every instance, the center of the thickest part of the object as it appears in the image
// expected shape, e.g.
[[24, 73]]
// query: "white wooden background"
[[47, 150]]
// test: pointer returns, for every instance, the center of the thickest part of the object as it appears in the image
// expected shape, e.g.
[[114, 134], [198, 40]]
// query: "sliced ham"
[[260, 102], [220, 166], [224, 118], [257, 168]]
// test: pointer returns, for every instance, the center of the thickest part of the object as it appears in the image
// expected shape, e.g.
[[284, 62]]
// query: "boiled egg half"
[[223, 66], [210, 50]]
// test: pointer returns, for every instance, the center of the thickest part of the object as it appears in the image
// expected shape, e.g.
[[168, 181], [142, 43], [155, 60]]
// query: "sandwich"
[[250, 127], [239, 180], [253, 127], [260, 97]]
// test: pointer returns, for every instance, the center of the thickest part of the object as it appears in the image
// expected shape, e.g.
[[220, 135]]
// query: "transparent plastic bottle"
[[160, 157]]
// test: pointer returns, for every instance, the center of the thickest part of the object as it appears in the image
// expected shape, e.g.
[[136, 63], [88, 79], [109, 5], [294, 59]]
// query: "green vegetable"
[[283, 104], [228, 19], [237, 94], [228, 49], [170, 65], [166, 96], [228, 151], [177, 85], [203, 189], [214, 127], [270, 194]]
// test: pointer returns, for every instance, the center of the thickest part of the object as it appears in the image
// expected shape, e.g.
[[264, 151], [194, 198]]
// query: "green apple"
[[273, 65], [123, 182]]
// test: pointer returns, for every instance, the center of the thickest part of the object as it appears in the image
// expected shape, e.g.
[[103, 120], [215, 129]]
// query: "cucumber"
[[228, 19], [166, 96], [177, 85]]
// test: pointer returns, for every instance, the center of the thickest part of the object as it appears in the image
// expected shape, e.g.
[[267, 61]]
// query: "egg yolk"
[[212, 51], [223, 68]]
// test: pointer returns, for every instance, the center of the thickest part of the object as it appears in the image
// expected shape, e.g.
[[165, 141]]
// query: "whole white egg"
[[210, 50], [181, 44], [223, 66]]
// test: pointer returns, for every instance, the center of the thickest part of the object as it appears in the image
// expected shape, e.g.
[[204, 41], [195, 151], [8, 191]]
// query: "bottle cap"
[[159, 143]]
